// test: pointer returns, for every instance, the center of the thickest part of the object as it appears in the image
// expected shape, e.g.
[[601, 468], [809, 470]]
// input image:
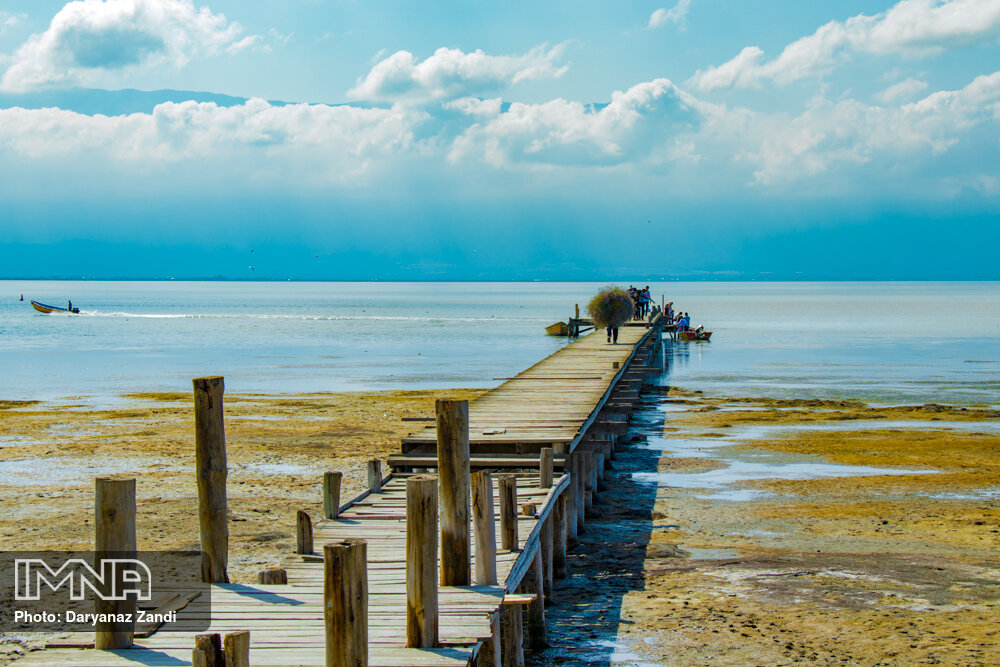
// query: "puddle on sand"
[[712, 554], [745, 471], [610, 652], [59, 471], [737, 495], [274, 469]]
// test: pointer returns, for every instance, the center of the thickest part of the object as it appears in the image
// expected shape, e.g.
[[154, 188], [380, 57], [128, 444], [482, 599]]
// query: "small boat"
[[557, 329], [42, 308], [694, 334]]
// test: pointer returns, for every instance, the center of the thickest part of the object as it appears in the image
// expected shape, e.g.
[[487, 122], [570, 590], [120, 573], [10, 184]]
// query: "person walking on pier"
[[613, 335]]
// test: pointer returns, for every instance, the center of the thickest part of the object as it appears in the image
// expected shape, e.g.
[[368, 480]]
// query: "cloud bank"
[[910, 28], [675, 14], [450, 73], [88, 38]]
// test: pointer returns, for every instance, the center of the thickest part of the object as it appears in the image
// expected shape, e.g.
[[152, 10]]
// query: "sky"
[[393, 140]]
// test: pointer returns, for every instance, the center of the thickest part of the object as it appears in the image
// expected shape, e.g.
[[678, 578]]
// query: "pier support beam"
[[453, 476], [345, 603], [114, 519], [484, 524], [511, 635], [421, 562], [210, 463], [560, 530], [489, 653], [536, 608]]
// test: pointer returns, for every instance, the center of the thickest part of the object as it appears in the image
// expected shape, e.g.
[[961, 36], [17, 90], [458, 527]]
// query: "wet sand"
[[849, 560]]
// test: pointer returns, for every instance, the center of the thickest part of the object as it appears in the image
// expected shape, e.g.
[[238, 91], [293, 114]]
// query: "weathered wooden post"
[[484, 524], [599, 466], [592, 470], [587, 477], [511, 635], [580, 500], [210, 462], [272, 576], [545, 468], [421, 562], [236, 646], [303, 533], [545, 548], [331, 494], [207, 651], [114, 527], [536, 608], [508, 512], [375, 476], [559, 538], [345, 603], [453, 479], [489, 653]]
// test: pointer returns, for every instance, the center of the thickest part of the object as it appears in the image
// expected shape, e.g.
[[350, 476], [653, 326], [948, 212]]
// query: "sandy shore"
[[730, 567]]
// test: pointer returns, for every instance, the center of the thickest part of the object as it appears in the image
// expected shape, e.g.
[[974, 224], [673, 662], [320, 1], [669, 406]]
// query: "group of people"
[[640, 301]]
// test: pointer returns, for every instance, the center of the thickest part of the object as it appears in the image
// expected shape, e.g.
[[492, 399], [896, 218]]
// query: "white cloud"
[[89, 38], [9, 20], [902, 90], [909, 28], [675, 14], [450, 74]]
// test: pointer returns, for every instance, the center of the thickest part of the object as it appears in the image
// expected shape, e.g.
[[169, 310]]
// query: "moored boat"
[[42, 308], [557, 329], [692, 334]]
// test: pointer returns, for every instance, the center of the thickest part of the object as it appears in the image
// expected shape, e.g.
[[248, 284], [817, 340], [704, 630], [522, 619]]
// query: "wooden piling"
[[236, 647], [569, 494], [529, 509], [484, 524], [210, 463], [592, 471], [580, 475], [587, 476], [207, 651], [331, 494], [508, 512], [114, 526], [545, 544], [536, 608], [375, 476], [511, 636], [489, 652], [545, 468], [345, 603], [559, 536], [453, 477], [272, 576], [421, 562], [303, 533], [599, 467]]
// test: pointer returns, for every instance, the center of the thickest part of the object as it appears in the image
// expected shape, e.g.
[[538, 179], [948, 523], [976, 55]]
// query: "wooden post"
[[545, 468], [592, 471], [303, 533], [559, 536], [272, 576], [210, 463], [345, 603], [508, 512], [484, 523], [545, 548], [236, 646], [572, 529], [615, 365], [207, 651], [511, 635], [453, 479], [114, 514], [375, 476], [529, 509], [331, 494], [579, 473], [421, 562], [536, 609], [489, 653], [589, 493], [576, 310], [599, 466]]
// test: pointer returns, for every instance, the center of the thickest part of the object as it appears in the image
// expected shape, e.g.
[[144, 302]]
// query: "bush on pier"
[[610, 307]]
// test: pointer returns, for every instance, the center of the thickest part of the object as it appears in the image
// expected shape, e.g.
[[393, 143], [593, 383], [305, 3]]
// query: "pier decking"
[[564, 412]]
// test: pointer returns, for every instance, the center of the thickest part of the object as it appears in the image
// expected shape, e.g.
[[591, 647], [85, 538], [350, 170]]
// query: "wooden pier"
[[422, 570]]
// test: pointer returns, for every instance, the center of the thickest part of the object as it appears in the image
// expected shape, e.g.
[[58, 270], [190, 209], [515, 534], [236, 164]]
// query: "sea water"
[[889, 342]]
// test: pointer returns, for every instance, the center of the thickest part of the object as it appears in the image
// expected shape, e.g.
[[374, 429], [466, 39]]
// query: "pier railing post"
[[484, 527], [331, 494], [345, 603], [545, 548], [210, 462], [421, 562], [114, 515], [508, 512], [303, 533], [536, 608], [453, 477], [580, 499], [236, 648], [489, 653], [511, 635]]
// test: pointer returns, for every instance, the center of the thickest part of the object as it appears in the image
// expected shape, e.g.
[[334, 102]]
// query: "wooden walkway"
[[576, 401]]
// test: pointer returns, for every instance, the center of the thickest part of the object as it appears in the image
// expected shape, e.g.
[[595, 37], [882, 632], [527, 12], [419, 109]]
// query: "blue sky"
[[399, 140]]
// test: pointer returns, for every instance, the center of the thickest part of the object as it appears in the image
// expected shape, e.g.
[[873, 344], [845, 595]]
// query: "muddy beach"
[[768, 532]]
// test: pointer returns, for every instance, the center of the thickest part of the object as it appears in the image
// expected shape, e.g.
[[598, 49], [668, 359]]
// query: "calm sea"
[[892, 342]]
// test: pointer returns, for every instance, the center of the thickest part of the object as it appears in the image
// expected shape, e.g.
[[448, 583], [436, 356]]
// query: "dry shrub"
[[610, 307]]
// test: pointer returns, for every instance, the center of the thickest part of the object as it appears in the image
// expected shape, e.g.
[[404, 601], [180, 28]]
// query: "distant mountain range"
[[92, 101]]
